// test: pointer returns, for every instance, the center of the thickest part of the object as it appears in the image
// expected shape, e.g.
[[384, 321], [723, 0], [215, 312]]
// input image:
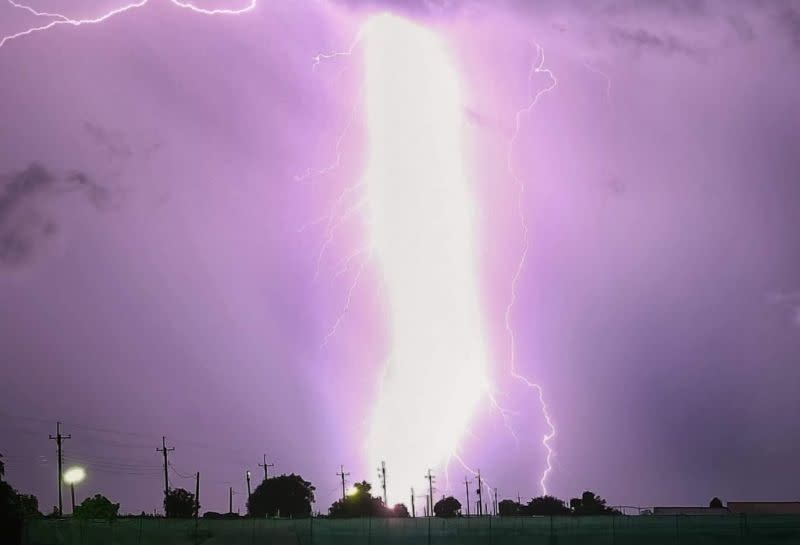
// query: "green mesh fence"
[[642, 530]]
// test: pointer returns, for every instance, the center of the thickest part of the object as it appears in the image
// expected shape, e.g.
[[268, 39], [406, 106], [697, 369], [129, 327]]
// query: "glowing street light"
[[352, 491], [72, 476]]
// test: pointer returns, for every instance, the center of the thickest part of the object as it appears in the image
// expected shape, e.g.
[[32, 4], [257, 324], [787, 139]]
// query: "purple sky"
[[156, 279]]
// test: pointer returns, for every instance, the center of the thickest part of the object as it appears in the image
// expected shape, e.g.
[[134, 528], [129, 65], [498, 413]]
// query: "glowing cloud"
[[421, 216]]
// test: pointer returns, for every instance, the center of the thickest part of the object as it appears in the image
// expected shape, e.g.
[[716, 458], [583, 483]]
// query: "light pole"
[[73, 476]]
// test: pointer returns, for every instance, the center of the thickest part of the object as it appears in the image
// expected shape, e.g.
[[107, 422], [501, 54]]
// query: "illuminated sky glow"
[[661, 281], [422, 221]]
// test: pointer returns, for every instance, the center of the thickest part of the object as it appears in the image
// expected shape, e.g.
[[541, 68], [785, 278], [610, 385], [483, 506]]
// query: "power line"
[[181, 475]]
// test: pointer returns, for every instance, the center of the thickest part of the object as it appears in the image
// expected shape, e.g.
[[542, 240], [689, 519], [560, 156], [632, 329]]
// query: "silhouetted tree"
[[10, 515], [28, 505], [400, 511], [591, 504], [96, 507], [508, 508], [285, 496], [716, 503], [447, 507], [359, 503], [179, 504], [2, 468], [545, 506]]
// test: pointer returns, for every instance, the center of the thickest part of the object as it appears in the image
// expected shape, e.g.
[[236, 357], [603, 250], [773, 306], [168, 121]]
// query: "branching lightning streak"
[[473, 472], [321, 57], [61, 19], [311, 173], [603, 75], [536, 68], [335, 219], [348, 300]]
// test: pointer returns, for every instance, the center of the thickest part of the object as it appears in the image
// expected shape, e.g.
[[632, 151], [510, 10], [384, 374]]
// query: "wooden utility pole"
[[247, 475], [230, 499], [383, 483], [495, 502], [342, 474], [164, 449], [480, 494], [430, 478], [413, 510], [59, 438], [466, 486], [197, 496], [265, 465]]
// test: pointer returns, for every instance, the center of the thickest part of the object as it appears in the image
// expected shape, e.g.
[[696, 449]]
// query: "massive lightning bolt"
[[59, 19], [421, 217], [421, 183], [536, 68]]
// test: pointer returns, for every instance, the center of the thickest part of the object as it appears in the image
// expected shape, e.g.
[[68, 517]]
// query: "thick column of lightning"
[[59, 19], [421, 213], [536, 68]]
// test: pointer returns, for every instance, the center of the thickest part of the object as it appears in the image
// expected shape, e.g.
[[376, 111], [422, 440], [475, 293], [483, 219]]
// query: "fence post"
[[746, 528], [311, 529], [613, 529], [677, 531], [552, 536], [490, 529], [429, 529], [141, 519]]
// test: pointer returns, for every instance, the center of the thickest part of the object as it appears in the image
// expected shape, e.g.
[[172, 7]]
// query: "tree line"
[[289, 496]]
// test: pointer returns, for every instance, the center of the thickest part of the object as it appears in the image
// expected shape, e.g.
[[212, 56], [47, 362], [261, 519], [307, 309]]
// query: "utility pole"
[[480, 495], [197, 496], [248, 484], [413, 510], [342, 474], [165, 450], [59, 438], [383, 483], [230, 499], [265, 465], [495, 502], [466, 486], [430, 478], [519, 500]]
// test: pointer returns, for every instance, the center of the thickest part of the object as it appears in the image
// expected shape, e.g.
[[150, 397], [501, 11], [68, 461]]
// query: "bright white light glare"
[[421, 216], [352, 491], [74, 475]]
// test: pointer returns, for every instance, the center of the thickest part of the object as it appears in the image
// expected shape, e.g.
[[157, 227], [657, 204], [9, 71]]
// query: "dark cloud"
[[23, 223], [97, 194], [788, 17], [741, 27], [641, 39], [112, 142]]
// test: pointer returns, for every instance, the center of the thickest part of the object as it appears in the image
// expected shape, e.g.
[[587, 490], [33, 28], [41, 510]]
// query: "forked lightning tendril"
[[59, 19], [536, 68]]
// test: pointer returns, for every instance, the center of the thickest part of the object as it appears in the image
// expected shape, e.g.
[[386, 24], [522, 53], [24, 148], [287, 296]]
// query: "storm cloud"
[[25, 223]]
